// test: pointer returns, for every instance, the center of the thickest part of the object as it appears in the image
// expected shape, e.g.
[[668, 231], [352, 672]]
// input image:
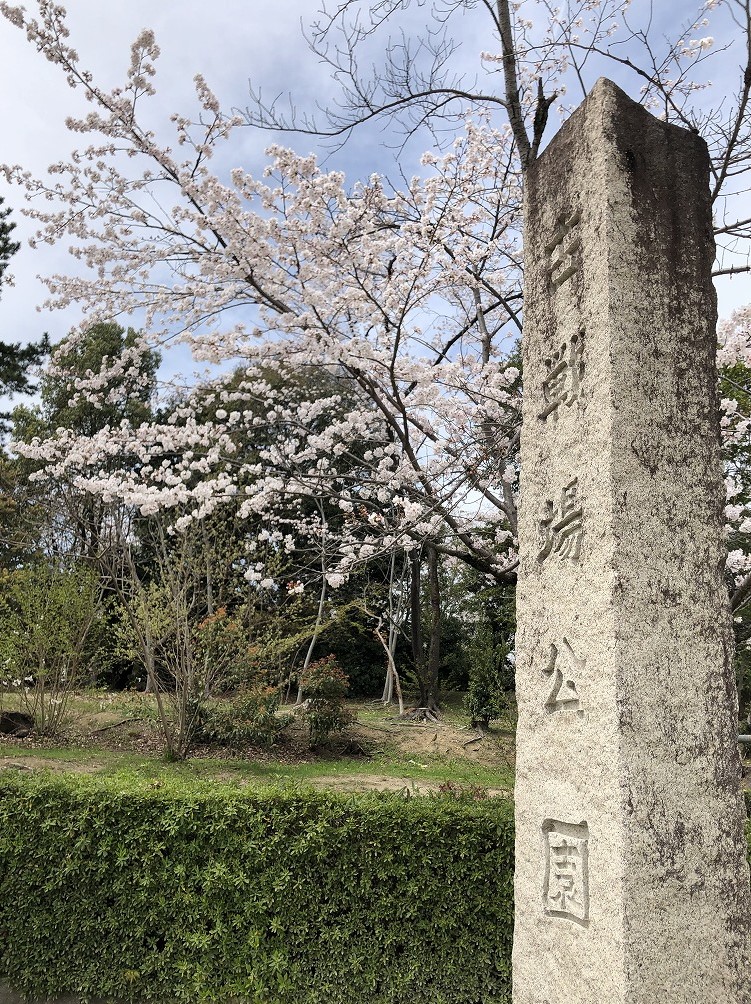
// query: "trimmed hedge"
[[113, 888]]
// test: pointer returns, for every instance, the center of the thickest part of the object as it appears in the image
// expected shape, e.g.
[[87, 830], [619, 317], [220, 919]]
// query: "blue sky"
[[228, 41]]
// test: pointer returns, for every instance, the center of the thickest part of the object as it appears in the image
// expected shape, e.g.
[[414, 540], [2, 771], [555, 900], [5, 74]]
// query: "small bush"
[[46, 615], [486, 698], [463, 792], [325, 685], [249, 719], [365, 675]]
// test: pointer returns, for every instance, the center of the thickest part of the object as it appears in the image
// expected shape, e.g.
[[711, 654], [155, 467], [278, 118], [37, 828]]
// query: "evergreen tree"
[[15, 359], [7, 247]]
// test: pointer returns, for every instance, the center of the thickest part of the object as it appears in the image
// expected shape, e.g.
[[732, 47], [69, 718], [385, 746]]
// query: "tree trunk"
[[429, 699], [395, 613], [392, 676], [426, 669], [415, 562], [319, 614]]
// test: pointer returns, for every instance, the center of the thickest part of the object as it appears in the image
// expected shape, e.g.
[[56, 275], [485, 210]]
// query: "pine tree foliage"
[[15, 358]]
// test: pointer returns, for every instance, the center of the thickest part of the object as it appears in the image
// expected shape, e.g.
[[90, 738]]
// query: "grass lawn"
[[110, 733]]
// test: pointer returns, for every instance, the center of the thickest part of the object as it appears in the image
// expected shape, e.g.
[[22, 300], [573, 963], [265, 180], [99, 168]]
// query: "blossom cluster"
[[368, 393]]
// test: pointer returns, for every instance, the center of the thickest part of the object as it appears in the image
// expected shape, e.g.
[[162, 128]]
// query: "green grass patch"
[[110, 763]]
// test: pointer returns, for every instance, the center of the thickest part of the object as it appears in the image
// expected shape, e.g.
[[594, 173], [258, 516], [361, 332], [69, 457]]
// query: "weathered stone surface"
[[631, 879]]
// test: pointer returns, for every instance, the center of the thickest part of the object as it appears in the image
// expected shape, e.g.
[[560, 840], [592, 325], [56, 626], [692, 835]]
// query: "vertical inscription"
[[566, 888], [566, 866], [563, 667], [564, 249], [561, 526], [564, 370]]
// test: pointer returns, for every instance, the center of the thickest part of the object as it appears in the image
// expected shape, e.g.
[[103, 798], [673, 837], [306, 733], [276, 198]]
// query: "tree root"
[[421, 715]]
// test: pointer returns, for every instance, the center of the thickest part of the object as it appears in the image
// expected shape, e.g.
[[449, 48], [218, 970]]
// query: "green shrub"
[[486, 696], [119, 889], [249, 719], [366, 674], [46, 615], [463, 791], [350, 637], [325, 685]]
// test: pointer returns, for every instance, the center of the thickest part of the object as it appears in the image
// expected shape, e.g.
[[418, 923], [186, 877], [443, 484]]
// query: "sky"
[[228, 41]]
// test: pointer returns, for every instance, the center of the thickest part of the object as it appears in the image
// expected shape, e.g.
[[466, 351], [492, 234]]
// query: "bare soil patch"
[[494, 748], [383, 782]]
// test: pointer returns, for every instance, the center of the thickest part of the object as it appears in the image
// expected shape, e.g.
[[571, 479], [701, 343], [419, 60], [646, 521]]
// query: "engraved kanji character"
[[566, 888], [563, 250], [565, 861], [562, 383], [568, 528], [563, 666], [561, 527]]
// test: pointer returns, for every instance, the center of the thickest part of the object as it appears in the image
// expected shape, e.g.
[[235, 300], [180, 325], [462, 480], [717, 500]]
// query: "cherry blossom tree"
[[735, 384], [734, 358], [407, 296], [404, 294], [540, 56]]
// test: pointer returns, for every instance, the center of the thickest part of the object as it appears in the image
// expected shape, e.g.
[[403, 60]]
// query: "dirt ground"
[[382, 737]]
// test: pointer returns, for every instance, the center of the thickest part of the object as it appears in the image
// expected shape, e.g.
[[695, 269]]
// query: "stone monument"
[[632, 885]]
